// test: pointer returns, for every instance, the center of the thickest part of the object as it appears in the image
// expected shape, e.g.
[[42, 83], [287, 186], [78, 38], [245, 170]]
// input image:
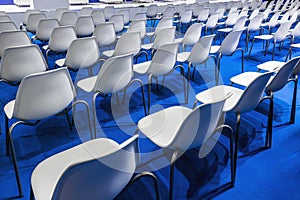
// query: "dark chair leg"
[[293, 111]]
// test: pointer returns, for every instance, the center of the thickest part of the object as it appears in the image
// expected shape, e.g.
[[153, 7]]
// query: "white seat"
[[211, 22], [84, 26], [58, 13], [126, 15], [5, 18], [85, 11], [108, 12], [273, 22], [105, 34], [98, 17], [203, 15], [185, 18], [7, 26], [253, 26], [118, 21], [33, 21], [26, 15], [68, 18], [45, 29], [239, 25], [165, 22], [138, 25], [191, 36]]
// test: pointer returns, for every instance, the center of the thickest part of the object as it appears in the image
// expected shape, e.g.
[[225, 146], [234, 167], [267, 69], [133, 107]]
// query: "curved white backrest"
[[115, 74], [82, 53], [212, 20], [165, 22], [169, 11], [139, 16], [68, 18], [118, 21], [282, 31], [220, 11], [33, 21], [108, 12], [2, 13], [230, 42], [97, 168], [61, 38], [105, 34], [294, 16], [129, 42], [255, 23], [254, 14], [186, 16], [151, 10], [240, 23], [165, 57], [45, 29], [282, 76], [231, 19], [13, 38], [192, 34], [18, 62], [203, 15], [164, 36], [200, 51], [274, 19], [43, 94], [84, 26], [98, 17], [27, 13], [295, 32], [7, 26], [266, 13], [5, 18], [126, 15], [138, 25], [86, 11], [58, 13], [198, 126], [252, 94], [285, 17]]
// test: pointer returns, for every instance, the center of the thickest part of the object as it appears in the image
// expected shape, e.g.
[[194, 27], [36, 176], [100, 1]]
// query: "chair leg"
[[269, 132], [236, 146], [293, 111], [251, 48], [273, 51], [149, 92], [289, 54], [7, 135], [172, 168]]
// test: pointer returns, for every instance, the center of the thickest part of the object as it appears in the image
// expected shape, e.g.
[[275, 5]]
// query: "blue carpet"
[[271, 174]]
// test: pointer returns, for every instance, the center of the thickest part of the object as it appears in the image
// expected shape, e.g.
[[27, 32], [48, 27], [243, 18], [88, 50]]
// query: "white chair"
[[240, 101], [115, 75], [7, 26], [168, 12], [39, 96], [97, 168], [177, 129], [239, 25], [45, 29], [108, 12], [58, 13], [139, 26], [151, 11], [126, 15], [85, 11], [118, 21], [279, 36], [84, 26], [140, 16], [228, 47], [231, 20], [253, 26], [13, 38], [68, 18], [165, 22], [185, 18], [98, 17], [5, 18], [33, 21], [295, 32], [273, 22], [83, 53], [60, 40], [203, 15], [211, 23], [162, 64], [26, 15], [105, 34]]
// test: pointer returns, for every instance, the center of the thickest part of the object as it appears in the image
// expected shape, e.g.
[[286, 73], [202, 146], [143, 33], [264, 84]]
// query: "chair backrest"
[[5, 18], [212, 21], [282, 76], [7, 26], [108, 170], [118, 21], [45, 29], [13, 38], [68, 18], [84, 26], [240, 23], [232, 18], [98, 17], [285, 17], [126, 15], [115, 74], [105, 34], [192, 34], [203, 15], [254, 14], [139, 16], [296, 69], [163, 60], [18, 62], [82, 53], [165, 22], [243, 13], [43, 94], [151, 11], [108, 12], [27, 13], [274, 19], [295, 32], [86, 11], [129, 42], [33, 21], [255, 23], [230, 42], [282, 32], [168, 12], [252, 94], [294, 16], [164, 36], [58, 12], [198, 126], [61, 38], [200, 51], [138, 25], [186, 16]]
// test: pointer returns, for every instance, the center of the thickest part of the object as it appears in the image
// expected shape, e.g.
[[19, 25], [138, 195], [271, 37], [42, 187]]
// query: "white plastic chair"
[[273, 22], [45, 29], [231, 19], [97, 168], [138, 25], [98, 17], [177, 129], [126, 15], [165, 22], [105, 34], [253, 26], [33, 21], [168, 12], [108, 12], [7, 26], [239, 25], [58, 13], [240, 101], [118, 21], [26, 15], [5, 18], [83, 53], [68, 18], [185, 18], [211, 23], [203, 15], [140, 16], [84, 26], [85, 11]]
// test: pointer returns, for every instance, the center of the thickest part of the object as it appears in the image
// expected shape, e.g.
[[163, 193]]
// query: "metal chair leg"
[[251, 48], [293, 111], [149, 92], [236, 146]]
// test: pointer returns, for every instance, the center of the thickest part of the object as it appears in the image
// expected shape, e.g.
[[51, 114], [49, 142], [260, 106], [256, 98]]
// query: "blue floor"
[[270, 174]]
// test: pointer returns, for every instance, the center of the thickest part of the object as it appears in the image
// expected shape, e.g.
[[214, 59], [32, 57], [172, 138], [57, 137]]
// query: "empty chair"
[[5, 18], [83, 53], [7, 26], [239, 25], [203, 15], [139, 16], [253, 26], [39, 96], [60, 40], [254, 14], [84, 26], [231, 19], [85, 11], [98, 17], [68, 18], [168, 12], [273, 22], [183, 129], [111, 165], [211, 23], [191, 36], [33, 21], [13, 38], [138, 25], [108, 12], [58, 13], [45, 29], [105, 34], [118, 21], [126, 15], [185, 18], [151, 11], [26, 15], [165, 22], [295, 32]]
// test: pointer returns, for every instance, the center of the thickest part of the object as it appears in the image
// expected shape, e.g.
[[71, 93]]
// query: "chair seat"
[[214, 49], [297, 45], [263, 37], [9, 109], [150, 34], [270, 65], [218, 92], [246, 78], [87, 84], [141, 68], [147, 46], [60, 62], [183, 56], [166, 121], [178, 40], [43, 177], [108, 53], [225, 30]]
